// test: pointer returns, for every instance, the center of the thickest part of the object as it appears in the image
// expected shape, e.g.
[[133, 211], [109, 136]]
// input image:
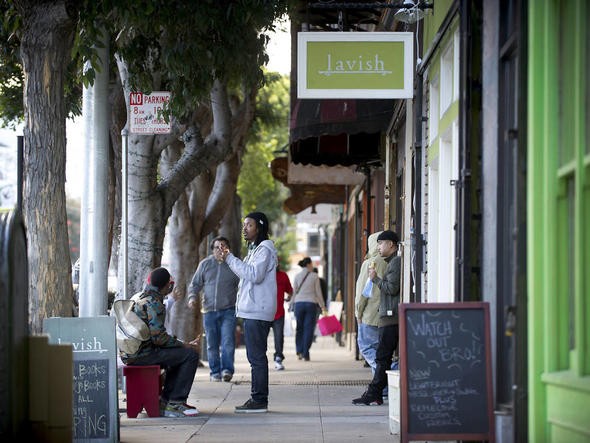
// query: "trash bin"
[[394, 401]]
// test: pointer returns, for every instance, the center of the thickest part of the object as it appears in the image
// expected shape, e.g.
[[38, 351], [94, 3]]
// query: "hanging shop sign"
[[146, 112], [355, 64]]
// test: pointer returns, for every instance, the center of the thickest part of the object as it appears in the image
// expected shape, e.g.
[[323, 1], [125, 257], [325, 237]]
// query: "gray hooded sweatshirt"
[[257, 292]]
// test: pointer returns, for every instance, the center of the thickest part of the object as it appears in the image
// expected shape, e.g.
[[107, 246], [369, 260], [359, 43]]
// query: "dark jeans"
[[278, 332], [180, 365], [256, 337], [306, 317], [388, 340]]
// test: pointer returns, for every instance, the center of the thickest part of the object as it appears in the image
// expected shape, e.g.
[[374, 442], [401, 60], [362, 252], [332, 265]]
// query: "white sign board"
[[145, 112]]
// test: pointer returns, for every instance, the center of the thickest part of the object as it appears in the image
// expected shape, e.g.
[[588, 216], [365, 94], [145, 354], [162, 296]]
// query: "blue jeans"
[[278, 332], [180, 365], [306, 317], [220, 329], [368, 340], [256, 338]]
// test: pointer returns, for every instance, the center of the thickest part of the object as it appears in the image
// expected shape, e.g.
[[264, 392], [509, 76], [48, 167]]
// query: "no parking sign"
[[146, 112]]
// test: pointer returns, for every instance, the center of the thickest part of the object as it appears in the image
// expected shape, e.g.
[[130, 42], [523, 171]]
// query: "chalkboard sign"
[[95, 401], [91, 399], [445, 372]]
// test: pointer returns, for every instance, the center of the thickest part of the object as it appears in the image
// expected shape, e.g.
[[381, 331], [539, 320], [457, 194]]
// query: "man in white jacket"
[[256, 304]]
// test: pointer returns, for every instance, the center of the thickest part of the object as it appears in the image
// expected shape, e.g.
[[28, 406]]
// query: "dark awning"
[[343, 131]]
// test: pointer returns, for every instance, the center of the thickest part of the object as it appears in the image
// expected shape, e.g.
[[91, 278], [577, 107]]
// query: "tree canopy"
[[207, 53], [269, 135]]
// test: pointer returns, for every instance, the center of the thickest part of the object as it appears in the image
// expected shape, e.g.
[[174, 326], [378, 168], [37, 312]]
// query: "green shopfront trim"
[[559, 221]]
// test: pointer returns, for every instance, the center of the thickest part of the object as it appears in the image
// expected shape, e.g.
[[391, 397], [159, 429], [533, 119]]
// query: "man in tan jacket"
[[366, 306]]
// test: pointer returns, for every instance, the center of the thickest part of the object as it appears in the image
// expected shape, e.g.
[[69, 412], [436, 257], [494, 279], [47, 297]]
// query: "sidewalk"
[[309, 401]]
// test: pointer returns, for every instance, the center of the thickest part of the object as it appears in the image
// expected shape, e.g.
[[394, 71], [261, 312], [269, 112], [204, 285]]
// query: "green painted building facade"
[[558, 208], [526, 146]]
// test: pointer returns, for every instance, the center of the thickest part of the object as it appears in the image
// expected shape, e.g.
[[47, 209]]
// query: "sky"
[[279, 51]]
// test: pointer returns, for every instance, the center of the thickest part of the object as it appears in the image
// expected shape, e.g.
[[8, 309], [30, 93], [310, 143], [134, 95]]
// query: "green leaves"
[[257, 188], [175, 45]]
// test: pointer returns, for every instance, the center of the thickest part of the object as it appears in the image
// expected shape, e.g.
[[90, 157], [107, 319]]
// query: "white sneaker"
[[279, 365], [180, 410]]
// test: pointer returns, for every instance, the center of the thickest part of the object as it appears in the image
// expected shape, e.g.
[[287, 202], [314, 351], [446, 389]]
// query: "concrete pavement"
[[309, 401]]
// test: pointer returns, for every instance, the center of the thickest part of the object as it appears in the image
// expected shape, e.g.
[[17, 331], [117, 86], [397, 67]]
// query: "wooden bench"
[[143, 386]]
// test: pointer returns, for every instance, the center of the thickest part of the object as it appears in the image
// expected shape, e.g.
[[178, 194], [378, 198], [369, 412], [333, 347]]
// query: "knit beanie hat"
[[159, 277]]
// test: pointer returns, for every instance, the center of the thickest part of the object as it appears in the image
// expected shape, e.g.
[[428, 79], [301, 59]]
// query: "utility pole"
[[93, 287]]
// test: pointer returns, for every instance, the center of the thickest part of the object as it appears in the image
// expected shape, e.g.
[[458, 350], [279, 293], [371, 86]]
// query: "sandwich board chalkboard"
[[95, 391], [445, 372]]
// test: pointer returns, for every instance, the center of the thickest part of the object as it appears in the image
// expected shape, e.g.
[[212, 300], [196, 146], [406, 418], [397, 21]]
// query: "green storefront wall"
[[558, 205]]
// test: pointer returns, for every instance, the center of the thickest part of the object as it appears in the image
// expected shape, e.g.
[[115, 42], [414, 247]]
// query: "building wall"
[[441, 106], [559, 213]]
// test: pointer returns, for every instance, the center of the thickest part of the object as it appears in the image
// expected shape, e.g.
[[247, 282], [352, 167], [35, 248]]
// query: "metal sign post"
[[125, 145]]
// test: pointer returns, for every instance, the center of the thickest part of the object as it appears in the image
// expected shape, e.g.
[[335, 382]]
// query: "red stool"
[[143, 390]]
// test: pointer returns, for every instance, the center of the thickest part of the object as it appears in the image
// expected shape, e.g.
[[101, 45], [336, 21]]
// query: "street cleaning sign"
[[355, 65], [146, 112]]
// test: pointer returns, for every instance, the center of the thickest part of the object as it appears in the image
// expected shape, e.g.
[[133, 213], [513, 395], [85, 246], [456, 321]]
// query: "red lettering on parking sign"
[[136, 98]]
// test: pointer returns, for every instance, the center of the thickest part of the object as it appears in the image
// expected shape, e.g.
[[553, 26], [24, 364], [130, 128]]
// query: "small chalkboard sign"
[[91, 399], [95, 398], [445, 372]]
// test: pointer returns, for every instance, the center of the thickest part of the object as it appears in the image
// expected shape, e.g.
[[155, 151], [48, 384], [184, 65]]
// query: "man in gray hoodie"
[[257, 303], [219, 287]]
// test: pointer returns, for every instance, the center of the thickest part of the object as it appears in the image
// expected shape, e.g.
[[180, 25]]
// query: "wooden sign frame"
[[455, 392]]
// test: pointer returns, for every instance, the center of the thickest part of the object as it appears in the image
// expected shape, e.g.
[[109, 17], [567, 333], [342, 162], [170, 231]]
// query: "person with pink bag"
[[307, 296]]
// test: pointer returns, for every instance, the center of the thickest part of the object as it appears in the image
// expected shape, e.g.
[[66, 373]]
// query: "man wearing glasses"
[[219, 287]]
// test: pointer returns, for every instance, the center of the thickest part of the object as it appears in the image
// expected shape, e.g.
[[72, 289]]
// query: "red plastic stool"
[[143, 390]]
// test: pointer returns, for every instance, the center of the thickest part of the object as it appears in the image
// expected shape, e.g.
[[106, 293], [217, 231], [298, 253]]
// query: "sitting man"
[[177, 358]]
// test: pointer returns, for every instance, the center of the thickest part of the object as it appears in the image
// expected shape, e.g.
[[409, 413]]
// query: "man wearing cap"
[[389, 285], [257, 303], [179, 359]]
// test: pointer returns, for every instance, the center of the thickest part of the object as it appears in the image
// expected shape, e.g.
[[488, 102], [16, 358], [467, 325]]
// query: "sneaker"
[[215, 377], [299, 355], [368, 400], [279, 365], [174, 409], [251, 407], [227, 376]]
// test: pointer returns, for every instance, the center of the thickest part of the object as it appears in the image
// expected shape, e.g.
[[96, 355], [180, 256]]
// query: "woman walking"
[[307, 296]]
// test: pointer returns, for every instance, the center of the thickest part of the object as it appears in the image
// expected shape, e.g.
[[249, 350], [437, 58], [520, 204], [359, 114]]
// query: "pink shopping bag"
[[329, 324]]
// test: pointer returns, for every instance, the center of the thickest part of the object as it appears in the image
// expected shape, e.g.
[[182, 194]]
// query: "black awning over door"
[[338, 132]]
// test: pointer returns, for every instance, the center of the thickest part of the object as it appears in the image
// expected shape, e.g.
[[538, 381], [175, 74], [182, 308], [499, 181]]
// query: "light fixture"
[[411, 12]]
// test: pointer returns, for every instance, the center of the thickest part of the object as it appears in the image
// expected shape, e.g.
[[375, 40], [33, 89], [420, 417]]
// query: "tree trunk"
[[150, 200], [188, 228], [118, 121], [46, 44]]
